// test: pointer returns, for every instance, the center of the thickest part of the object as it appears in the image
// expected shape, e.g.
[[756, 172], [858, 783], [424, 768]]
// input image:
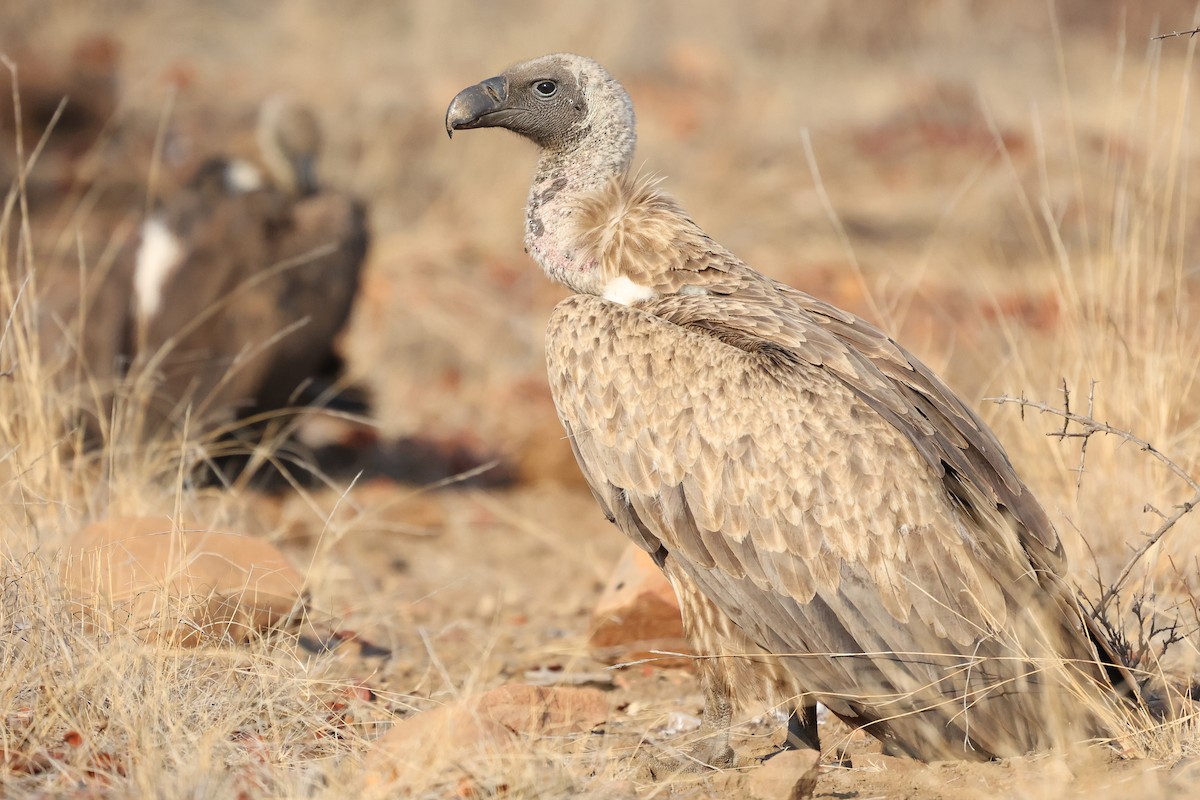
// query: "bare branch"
[[1150, 508]]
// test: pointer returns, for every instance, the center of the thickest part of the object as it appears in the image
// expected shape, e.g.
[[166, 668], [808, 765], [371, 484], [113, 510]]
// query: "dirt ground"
[[1007, 188]]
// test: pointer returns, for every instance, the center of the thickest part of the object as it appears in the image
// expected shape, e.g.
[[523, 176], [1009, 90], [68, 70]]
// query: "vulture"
[[245, 277], [840, 528]]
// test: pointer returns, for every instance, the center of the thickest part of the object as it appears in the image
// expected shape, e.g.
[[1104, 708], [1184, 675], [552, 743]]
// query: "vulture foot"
[[707, 755]]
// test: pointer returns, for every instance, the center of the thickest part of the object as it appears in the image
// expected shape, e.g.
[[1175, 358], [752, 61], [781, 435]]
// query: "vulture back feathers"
[[840, 527]]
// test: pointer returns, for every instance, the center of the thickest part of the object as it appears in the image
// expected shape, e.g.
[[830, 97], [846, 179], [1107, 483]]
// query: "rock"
[[878, 762], [790, 775], [176, 583], [542, 710], [637, 613], [476, 732]]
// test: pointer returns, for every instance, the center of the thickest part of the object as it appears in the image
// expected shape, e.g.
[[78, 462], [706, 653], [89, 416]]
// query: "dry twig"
[[1188, 34]]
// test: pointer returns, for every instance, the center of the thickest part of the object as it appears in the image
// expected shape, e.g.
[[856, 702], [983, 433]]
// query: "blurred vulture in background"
[[243, 280]]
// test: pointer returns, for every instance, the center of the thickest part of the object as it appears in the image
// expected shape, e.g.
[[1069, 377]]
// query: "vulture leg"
[[716, 678], [731, 666], [802, 728], [712, 749]]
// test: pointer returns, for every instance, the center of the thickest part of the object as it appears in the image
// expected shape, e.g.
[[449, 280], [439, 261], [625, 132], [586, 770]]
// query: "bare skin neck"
[[562, 176]]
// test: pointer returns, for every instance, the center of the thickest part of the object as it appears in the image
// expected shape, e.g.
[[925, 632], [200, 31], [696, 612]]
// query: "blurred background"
[[1008, 188]]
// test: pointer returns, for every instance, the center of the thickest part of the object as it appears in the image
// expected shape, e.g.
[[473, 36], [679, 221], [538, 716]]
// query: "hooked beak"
[[479, 106], [305, 169]]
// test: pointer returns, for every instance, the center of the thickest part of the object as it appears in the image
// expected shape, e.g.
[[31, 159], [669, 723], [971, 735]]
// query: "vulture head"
[[582, 121], [564, 103], [289, 139]]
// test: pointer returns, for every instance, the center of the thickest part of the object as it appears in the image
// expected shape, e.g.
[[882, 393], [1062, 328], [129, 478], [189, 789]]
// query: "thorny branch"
[[1088, 427], [1083, 447], [1188, 34]]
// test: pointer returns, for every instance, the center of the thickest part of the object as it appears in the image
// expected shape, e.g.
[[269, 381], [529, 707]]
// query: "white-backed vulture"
[[824, 505], [244, 278]]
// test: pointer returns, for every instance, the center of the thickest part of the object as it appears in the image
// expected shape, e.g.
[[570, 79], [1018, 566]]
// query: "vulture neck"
[[562, 177]]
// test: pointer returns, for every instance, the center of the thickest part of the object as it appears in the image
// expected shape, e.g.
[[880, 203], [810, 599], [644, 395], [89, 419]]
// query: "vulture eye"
[[545, 89]]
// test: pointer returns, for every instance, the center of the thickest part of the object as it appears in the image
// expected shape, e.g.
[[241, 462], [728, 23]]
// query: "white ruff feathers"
[[158, 256], [624, 291]]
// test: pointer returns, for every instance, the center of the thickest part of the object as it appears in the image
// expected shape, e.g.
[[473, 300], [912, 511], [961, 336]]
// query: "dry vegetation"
[[1009, 188]]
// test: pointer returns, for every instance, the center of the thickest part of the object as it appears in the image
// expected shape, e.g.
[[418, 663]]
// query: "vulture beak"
[[305, 168], [479, 106]]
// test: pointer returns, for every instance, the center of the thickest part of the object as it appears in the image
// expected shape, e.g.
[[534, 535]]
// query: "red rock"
[[178, 583], [543, 710], [637, 613], [428, 747]]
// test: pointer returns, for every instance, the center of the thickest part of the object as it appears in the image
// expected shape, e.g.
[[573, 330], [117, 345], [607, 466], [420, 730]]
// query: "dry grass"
[[1009, 191]]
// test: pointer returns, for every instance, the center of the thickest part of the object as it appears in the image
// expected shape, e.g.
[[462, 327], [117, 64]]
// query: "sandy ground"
[[1006, 190]]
